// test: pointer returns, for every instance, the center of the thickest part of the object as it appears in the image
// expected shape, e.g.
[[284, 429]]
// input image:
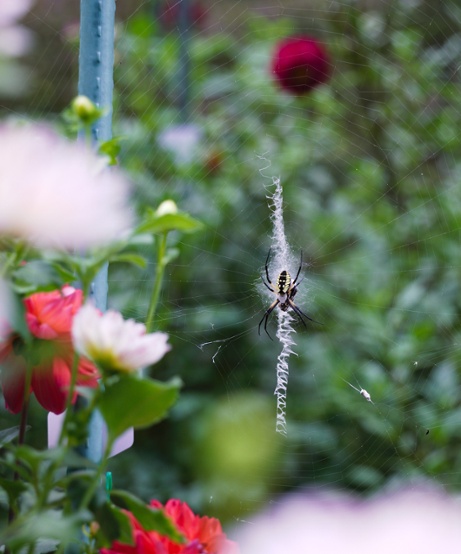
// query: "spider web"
[[371, 169]]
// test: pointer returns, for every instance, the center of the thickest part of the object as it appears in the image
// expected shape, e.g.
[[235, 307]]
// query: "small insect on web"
[[285, 290], [361, 391]]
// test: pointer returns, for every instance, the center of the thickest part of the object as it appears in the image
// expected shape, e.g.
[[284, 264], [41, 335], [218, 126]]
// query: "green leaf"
[[49, 524], [134, 259], [152, 519], [65, 274], [13, 488], [37, 275], [115, 525], [169, 222], [111, 148], [7, 435], [135, 402]]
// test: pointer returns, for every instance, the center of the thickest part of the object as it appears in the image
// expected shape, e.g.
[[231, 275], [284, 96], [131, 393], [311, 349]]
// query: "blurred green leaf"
[[129, 258], [152, 519], [115, 525], [111, 148], [48, 524], [7, 435], [135, 402], [169, 222]]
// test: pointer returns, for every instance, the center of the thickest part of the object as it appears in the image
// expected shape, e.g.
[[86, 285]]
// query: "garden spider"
[[285, 290]]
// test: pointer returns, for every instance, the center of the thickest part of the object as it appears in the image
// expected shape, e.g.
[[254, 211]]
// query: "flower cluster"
[[299, 64], [204, 535], [49, 317], [62, 325]]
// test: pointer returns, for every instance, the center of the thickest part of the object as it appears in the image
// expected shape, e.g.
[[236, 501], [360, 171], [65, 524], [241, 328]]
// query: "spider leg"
[[270, 288], [265, 317], [293, 292], [267, 270], [300, 313], [299, 270]]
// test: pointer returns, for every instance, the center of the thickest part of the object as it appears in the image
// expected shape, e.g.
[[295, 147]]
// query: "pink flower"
[[204, 535], [418, 520], [53, 193], [116, 344], [49, 317], [300, 64]]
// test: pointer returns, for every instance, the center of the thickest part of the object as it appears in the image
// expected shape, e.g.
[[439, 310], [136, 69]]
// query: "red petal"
[[50, 314], [88, 374], [12, 378], [50, 384]]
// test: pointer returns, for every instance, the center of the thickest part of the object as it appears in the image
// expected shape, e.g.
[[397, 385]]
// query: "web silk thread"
[[281, 252]]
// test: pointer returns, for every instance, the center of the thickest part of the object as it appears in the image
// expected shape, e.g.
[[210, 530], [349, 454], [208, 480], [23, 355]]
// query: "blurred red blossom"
[[204, 535], [49, 318], [299, 64]]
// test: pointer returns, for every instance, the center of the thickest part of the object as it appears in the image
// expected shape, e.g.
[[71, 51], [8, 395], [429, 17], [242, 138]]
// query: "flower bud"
[[85, 109], [167, 207]]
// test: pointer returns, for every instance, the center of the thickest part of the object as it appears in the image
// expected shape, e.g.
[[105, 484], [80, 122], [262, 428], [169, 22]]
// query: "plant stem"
[[70, 394], [97, 477], [157, 282], [22, 429]]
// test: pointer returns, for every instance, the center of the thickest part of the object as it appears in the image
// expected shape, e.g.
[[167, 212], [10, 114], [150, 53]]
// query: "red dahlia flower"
[[300, 64], [49, 318], [204, 535]]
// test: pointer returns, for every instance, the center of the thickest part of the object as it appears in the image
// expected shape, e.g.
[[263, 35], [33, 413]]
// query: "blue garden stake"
[[96, 82], [184, 60], [96, 63]]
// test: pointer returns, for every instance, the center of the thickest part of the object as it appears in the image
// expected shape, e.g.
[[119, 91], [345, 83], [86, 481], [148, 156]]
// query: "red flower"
[[300, 64], [49, 318], [204, 535]]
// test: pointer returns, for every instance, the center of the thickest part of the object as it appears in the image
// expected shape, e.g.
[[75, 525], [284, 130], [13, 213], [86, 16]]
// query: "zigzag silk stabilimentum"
[[281, 256]]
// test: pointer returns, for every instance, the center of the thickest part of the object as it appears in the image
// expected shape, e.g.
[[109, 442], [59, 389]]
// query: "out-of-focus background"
[[370, 161]]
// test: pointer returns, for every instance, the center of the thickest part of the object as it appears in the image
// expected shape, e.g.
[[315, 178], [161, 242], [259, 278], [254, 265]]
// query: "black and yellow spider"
[[285, 290]]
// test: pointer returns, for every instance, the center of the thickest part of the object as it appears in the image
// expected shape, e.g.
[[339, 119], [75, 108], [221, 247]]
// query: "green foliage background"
[[371, 168]]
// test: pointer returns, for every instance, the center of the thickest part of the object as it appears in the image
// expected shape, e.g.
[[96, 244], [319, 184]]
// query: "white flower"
[[116, 344], [15, 40], [410, 520], [182, 141], [53, 193]]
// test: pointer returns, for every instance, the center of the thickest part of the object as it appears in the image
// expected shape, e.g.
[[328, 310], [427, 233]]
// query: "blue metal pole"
[[96, 63], [96, 60], [184, 60]]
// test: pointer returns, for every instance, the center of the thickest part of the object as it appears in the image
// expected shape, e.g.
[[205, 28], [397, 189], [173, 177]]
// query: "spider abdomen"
[[283, 282]]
